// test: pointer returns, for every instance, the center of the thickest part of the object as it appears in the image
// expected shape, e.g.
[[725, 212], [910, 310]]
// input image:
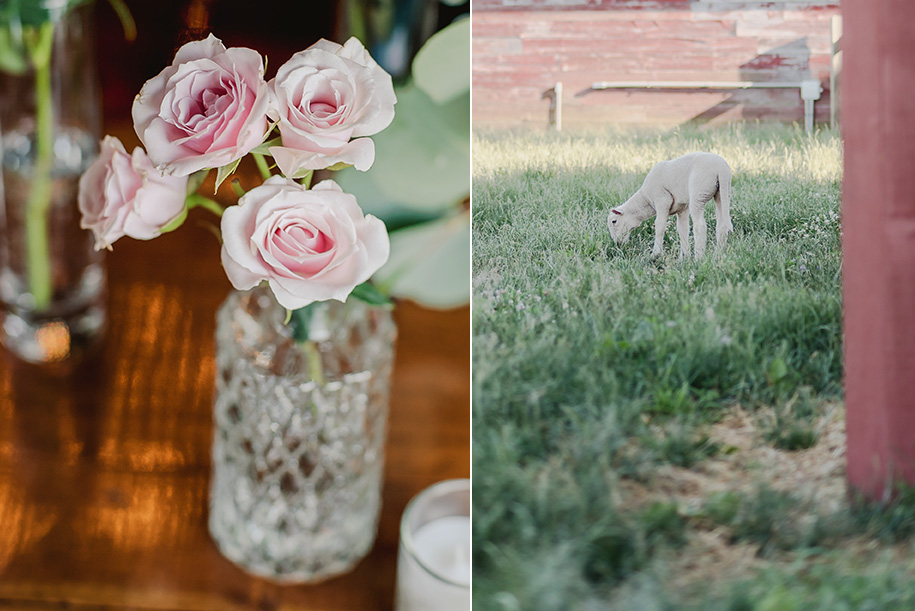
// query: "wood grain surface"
[[104, 466]]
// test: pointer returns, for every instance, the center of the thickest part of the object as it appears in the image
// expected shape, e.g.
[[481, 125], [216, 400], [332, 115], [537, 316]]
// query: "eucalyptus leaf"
[[430, 263], [441, 68], [422, 160]]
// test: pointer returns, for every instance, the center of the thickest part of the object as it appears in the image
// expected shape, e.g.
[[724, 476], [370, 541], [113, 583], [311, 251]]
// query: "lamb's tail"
[[723, 225]]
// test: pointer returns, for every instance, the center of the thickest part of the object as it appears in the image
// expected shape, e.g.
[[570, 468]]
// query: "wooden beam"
[[878, 220]]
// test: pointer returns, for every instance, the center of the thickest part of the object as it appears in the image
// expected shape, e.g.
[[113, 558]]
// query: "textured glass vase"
[[297, 465], [52, 283]]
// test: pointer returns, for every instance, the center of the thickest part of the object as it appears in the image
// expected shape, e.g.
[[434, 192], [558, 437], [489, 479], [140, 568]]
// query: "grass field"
[[656, 433]]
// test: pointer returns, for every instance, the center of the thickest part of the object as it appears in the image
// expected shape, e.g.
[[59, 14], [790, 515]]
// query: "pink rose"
[[309, 245], [120, 194], [324, 97], [206, 110]]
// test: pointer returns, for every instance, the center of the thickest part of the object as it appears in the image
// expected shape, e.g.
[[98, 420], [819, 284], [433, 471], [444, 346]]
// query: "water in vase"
[[52, 281]]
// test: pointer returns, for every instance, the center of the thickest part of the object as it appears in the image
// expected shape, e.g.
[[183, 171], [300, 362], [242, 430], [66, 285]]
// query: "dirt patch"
[[746, 463], [816, 474]]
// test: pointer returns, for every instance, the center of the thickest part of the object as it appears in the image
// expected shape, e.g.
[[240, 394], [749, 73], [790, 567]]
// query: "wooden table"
[[104, 470]]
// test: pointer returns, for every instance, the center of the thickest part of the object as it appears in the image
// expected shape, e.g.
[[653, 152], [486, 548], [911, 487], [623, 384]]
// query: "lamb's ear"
[[615, 211]]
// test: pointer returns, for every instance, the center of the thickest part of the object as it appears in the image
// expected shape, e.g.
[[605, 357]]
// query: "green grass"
[[594, 363], [833, 582]]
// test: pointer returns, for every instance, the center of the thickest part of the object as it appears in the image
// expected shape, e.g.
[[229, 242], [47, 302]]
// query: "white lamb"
[[681, 186]]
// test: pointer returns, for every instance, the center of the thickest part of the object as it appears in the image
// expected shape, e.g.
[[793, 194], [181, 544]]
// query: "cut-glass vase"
[[298, 461]]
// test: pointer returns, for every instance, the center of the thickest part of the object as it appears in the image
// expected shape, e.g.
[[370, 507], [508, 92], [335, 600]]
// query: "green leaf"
[[299, 321], [224, 173], [264, 149], [430, 263], [176, 222], [442, 66], [371, 295], [12, 53], [28, 13], [195, 180], [777, 371], [422, 160]]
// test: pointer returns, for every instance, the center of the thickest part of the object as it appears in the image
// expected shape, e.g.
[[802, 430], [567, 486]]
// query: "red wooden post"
[[878, 220]]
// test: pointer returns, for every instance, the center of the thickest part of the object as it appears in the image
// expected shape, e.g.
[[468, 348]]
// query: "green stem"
[[127, 21], [299, 321], [38, 255], [315, 366], [306, 180], [262, 165], [195, 200], [236, 187]]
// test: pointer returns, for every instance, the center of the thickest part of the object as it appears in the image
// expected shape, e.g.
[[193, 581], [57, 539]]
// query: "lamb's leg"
[[697, 212], [723, 224], [660, 226], [683, 230]]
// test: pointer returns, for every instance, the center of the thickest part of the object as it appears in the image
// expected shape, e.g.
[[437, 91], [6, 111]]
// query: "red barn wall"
[[522, 47]]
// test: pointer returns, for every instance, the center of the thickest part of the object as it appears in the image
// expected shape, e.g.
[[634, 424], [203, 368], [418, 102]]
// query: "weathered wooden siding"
[[522, 47]]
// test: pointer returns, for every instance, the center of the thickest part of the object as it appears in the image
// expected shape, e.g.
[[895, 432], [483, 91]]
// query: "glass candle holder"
[[433, 564]]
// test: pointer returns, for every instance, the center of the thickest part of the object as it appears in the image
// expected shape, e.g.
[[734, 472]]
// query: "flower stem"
[[38, 255], [315, 366], [300, 320], [236, 187], [262, 165], [195, 200], [306, 180]]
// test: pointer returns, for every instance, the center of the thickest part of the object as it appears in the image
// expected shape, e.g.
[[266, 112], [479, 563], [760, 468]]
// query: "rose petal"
[[208, 109], [240, 277], [210, 47], [309, 245], [326, 95], [124, 195], [295, 162]]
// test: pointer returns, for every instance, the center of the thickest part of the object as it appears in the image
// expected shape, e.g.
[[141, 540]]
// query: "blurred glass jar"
[[52, 281], [392, 30]]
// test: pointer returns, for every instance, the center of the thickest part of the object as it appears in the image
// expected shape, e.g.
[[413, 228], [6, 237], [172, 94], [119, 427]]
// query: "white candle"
[[433, 566], [443, 546]]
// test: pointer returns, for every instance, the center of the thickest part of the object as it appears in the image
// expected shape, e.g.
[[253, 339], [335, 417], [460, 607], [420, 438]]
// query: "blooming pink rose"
[[325, 96], [309, 245], [120, 194], [206, 110]]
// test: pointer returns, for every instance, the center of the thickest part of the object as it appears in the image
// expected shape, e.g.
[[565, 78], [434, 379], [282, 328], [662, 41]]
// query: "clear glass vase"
[[297, 464], [52, 281]]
